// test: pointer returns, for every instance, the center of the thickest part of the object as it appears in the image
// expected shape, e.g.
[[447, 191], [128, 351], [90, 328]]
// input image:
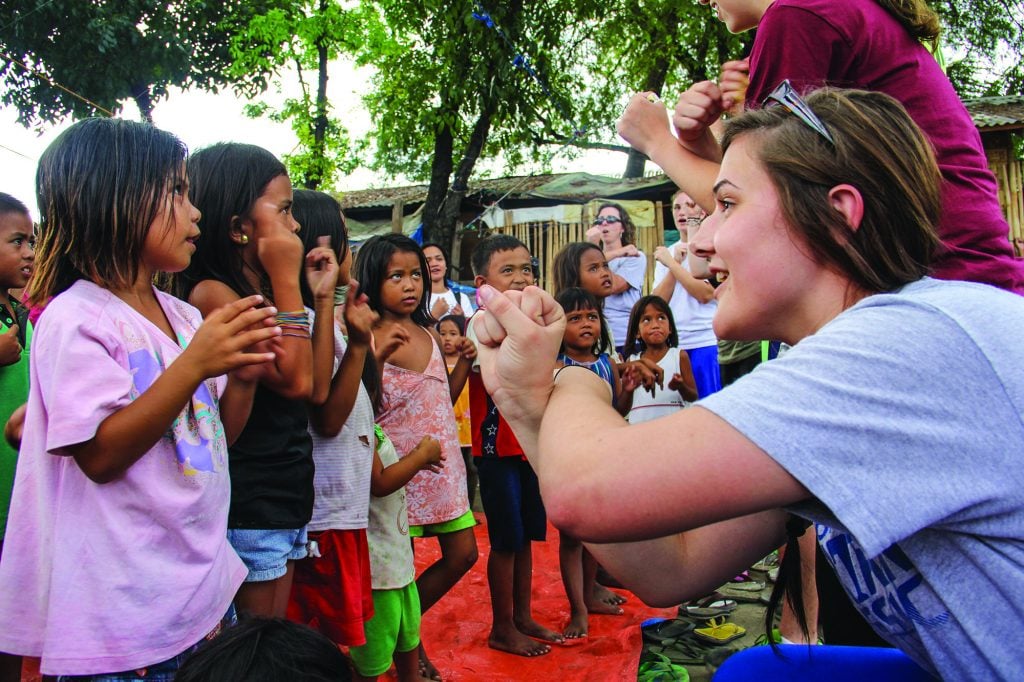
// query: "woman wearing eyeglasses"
[[895, 422], [615, 233], [868, 44]]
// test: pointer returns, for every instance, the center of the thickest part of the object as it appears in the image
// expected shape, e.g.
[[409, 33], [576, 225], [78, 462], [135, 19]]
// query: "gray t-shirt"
[[903, 417]]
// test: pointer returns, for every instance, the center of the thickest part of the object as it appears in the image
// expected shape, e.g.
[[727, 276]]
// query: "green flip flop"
[[660, 669]]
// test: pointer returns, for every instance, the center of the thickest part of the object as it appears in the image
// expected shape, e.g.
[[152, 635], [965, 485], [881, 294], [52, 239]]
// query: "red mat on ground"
[[455, 630]]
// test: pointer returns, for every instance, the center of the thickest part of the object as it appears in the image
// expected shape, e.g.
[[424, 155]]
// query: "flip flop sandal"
[[768, 563], [741, 578], [661, 669], [682, 651], [711, 606], [662, 632], [743, 595], [719, 632], [747, 586]]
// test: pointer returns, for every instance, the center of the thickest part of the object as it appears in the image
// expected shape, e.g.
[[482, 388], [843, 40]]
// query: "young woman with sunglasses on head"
[[826, 246], [868, 44], [615, 233]]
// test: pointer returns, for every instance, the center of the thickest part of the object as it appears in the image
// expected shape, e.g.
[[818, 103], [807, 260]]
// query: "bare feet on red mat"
[[427, 669], [603, 594], [578, 626], [510, 640]]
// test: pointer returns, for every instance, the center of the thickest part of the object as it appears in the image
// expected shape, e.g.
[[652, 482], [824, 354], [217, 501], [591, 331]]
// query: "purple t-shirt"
[[857, 44], [103, 578]]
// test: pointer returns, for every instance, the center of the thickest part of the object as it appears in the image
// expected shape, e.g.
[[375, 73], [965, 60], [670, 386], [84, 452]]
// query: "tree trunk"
[[449, 213], [440, 175], [144, 100], [316, 177], [655, 81]]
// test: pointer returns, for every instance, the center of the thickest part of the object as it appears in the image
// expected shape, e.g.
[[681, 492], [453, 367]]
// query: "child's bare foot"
[[532, 628], [510, 640], [603, 594], [427, 669], [578, 626], [594, 606]]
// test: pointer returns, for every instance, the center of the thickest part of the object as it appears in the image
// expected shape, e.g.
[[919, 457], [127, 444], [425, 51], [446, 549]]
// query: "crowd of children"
[[271, 450]]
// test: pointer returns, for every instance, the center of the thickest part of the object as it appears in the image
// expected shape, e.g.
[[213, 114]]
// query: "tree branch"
[[582, 144]]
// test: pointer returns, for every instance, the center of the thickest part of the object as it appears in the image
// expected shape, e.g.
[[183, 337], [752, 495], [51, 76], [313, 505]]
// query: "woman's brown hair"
[[879, 150], [628, 228]]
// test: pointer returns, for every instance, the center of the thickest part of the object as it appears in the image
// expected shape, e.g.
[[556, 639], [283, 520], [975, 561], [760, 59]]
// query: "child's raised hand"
[[280, 254], [359, 317], [428, 455], [322, 269], [628, 379], [466, 348], [10, 347], [676, 382], [647, 373], [439, 309], [388, 341], [225, 339]]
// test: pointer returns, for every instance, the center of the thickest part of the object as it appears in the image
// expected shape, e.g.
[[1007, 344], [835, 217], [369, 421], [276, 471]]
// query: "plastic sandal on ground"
[[659, 668], [659, 632], [711, 606], [719, 632]]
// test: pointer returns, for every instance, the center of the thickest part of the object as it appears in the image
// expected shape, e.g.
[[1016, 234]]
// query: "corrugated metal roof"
[[569, 187], [997, 112]]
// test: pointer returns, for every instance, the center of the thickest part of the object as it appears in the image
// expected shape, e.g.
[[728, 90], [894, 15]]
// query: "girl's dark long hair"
[[320, 216], [576, 298], [458, 320], [567, 264], [371, 270], [100, 185], [225, 180], [634, 344]]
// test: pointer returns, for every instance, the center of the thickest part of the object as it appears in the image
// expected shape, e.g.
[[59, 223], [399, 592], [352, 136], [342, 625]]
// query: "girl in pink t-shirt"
[[418, 393], [116, 559]]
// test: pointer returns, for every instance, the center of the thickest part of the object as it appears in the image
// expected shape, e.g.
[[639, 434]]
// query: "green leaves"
[[107, 52]]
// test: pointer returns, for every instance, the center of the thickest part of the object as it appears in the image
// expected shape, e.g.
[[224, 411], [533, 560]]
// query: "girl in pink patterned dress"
[[418, 394]]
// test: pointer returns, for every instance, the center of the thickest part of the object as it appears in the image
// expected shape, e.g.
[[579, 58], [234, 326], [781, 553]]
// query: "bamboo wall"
[[1010, 175], [546, 238]]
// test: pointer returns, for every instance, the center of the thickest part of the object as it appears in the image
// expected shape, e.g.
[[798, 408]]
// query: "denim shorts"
[[164, 671], [266, 552]]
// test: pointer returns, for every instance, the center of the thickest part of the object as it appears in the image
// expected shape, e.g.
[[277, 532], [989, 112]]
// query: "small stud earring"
[[245, 239]]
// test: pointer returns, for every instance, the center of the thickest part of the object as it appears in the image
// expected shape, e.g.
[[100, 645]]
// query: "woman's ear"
[[847, 200]]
